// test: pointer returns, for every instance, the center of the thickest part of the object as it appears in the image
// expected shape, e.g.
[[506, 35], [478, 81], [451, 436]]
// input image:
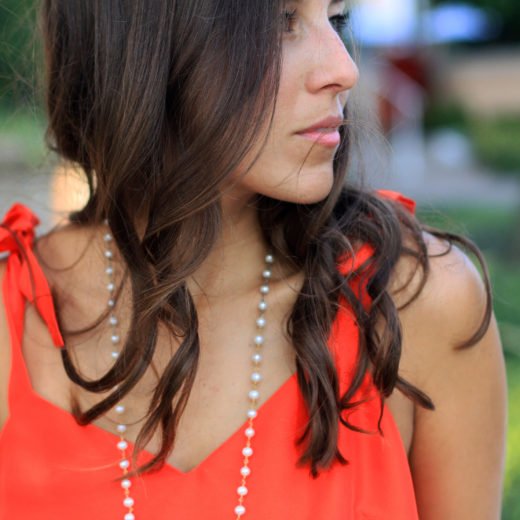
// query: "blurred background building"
[[437, 112], [442, 83]]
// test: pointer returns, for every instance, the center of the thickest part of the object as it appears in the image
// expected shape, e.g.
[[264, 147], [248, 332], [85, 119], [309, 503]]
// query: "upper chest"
[[218, 401], [219, 396]]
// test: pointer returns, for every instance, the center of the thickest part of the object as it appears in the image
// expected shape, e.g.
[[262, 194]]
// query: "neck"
[[235, 263]]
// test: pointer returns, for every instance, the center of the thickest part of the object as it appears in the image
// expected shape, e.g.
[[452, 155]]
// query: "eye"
[[289, 17], [340, 21]]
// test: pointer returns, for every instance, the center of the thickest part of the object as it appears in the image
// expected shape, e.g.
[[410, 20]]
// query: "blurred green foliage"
[[493, 229], [511, 507], [18, 45], [442, 114], [508, 12], [495, 140], [25, 126]]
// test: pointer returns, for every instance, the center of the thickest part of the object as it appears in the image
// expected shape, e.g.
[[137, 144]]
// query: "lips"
[[324, 132]]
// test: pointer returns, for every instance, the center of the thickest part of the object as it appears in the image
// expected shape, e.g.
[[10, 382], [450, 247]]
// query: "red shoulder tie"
[[24, 278], [350, 263], [408, 203]]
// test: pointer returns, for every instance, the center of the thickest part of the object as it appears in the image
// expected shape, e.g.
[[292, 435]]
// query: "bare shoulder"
[[458, 449], [68, 256], [62, 248], [63, 255], [453, 300]]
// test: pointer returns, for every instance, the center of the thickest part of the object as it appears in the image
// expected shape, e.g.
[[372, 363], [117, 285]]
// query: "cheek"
[[290, 92], [287, 169]]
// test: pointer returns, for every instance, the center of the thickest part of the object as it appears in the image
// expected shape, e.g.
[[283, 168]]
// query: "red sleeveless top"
[[51, 468]]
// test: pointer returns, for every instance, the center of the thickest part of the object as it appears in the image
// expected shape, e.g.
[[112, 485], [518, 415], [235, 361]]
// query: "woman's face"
[[317, 75]]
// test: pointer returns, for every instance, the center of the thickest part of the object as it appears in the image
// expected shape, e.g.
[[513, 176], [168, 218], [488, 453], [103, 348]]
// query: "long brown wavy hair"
[[158, 102]]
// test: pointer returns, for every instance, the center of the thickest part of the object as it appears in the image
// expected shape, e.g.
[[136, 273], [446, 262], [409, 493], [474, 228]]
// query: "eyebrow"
[[333, 2]]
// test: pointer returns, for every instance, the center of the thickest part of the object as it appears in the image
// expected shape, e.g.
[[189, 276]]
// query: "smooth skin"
[[456, 452]]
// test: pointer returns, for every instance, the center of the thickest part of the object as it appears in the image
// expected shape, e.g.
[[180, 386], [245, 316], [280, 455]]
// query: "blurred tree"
[[506, 11], [17, 48]]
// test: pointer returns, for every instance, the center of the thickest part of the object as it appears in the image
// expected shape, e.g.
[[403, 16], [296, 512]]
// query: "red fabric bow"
[[23, 270]]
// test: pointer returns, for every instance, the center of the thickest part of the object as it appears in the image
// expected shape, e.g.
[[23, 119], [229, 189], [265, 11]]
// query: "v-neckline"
[[115, 438]]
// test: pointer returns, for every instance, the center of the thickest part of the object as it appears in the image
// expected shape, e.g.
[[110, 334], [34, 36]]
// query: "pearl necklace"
[[253, 394]]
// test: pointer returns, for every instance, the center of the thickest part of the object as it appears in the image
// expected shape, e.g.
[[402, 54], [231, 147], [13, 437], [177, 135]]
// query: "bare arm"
[[457, 452]]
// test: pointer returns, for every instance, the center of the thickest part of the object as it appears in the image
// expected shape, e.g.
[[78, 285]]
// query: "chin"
[[309, 184], [307, 189]]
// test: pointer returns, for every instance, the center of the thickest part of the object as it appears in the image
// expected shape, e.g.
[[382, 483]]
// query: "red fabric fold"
[[17, 233]]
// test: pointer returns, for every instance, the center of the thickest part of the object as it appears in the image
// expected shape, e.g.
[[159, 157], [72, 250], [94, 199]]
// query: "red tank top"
[[51, 468]]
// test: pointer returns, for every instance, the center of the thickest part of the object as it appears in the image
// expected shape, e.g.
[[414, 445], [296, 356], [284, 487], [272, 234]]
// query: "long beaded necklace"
[[253, 394]]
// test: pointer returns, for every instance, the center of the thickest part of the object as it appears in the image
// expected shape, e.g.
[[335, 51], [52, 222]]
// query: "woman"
[[227, 329]]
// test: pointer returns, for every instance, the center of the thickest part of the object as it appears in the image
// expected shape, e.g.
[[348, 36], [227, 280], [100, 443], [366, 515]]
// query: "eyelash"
[[338, 21], [288, 19]]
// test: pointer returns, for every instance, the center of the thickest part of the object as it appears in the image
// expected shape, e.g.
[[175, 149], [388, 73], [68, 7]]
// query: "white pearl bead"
[[115, 339], [256, 377], [128, 502], [247, 451], [107, 237], [260, 322], [114, 355], [109, 270]]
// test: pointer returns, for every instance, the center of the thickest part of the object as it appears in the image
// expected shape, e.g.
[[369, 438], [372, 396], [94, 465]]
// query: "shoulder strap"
[[406, 202], [355, 266], [349, 264], [23, 281]]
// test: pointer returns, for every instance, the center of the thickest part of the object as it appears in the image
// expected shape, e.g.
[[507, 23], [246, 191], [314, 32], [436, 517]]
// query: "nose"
[[330, 66]]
